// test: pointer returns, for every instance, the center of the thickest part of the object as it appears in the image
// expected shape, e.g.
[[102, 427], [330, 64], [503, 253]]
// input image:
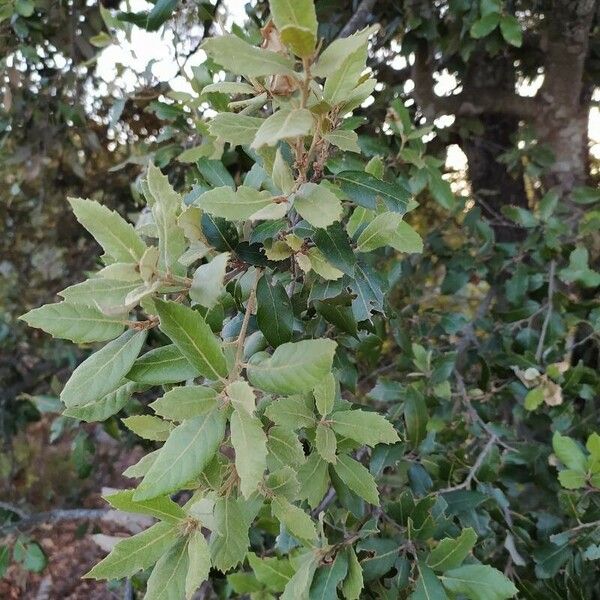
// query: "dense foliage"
[[354, 382]]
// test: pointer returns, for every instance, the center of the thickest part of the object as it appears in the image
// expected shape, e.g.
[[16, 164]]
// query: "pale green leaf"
[[185, 402], [284, 448], [198, 563], [314, 479], [294, 367], [161, 366], [344, 139], [325, 442], [294, 12], [571, 479], [342, 81], [569, 453], [365, 427], [102, 372], [184, 455], [298, 586], [479, 582], [324, 393], [101, 293], [208, 281], [136, 553], [353, 584], [148, 427], [117, 237], [294, 519], [283, 124], [428, 586], [238, 205], [194, 338], [357, 478], [317, 205], [282, 175], [234, 128], [274, 572], [388, 229], [451, 552], [228, 87], [167, 580], [162, 508], [229, 542], [292, 412], [107, 406], [75, 322]]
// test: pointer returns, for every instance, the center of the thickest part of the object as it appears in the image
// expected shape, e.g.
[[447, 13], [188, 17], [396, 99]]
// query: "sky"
[[157, 49]]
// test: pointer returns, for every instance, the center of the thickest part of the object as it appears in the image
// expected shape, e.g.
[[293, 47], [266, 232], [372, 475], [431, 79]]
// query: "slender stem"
[[244, 329], [540, 346]]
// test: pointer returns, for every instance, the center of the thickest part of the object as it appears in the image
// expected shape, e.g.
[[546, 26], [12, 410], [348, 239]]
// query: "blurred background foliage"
[[493, 331]]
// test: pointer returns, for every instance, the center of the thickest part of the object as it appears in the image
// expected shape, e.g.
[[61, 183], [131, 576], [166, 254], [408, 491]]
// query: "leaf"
[[569, 453], [292, 412], [388, 229], [117, 237], [428, 585], [184, 455], [75, 322], [194, 338], [294, 367], [415, 418], [293, 518], [228, 87], [341, 82], [161, 366], [334, 243], [102, 372], [274, 313], [327, 578], [207, 282], [107, 406], [451, 552], [237, 56], [298, 586], [511, 30], [282, 175], [136, 553], [364, 189], [365, 427], [185, 402], [534, 398], [272, 571], [325, 393], [165, 208], [237, 205], [230, 541], [215, 173], [485, 25], [332, 58], [321, 266], [353, 584], [317, 205], [198, 563], [357, 478], [571, 479], [368, 287], [314, 479], [100, 293], [478, 582], [148, 427], [300, 13], [283, 124], [578, 270], [167, 580], [325, 442], [284, 449], [162, 508], [238, 130], [250, 444]]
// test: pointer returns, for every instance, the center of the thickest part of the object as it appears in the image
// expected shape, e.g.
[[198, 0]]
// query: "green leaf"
[[365, 427], [237, 56], [185, 402], [571, 479], [148, 427], [250, 444], [451, 552], [274, 572], [357, 478], [282, 125], [239, 130], [317, 205], [344, 139], [215, 173], [428, 585], [102, 372], [388, 229], [228, 87], [332, 58], [208, 281], [298, 586], [327, 578], [198, 563], [300, 13], [100, 293], [353, 584], [294, 519], [282, 175], [440, 189], [484, 26], [479, 582], [569, 453], [230, 541], [117, 237], [534, 398], [284, 449], [578, 270], [334, 243], [340, 83], [237, 205], [75, 322], [294, 367], [162, 508], [511, 30], [136, 553], [364, 189], [415, 418], [184, 455], [161, 366], [314, 479], [325, 393], [194, 338], [107, 406], [292, 412], [166, 205], [167, 580], [325, 442], [274, 313]]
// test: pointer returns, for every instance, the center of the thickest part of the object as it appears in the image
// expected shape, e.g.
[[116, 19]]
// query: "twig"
[[54, 516], [359, 18], [245, 322], [582, 526], [540, 346]]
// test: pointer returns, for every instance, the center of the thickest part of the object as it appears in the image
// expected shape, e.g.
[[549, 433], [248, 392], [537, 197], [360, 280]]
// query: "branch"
[[52, 516], [359, 19], [551, 279]]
